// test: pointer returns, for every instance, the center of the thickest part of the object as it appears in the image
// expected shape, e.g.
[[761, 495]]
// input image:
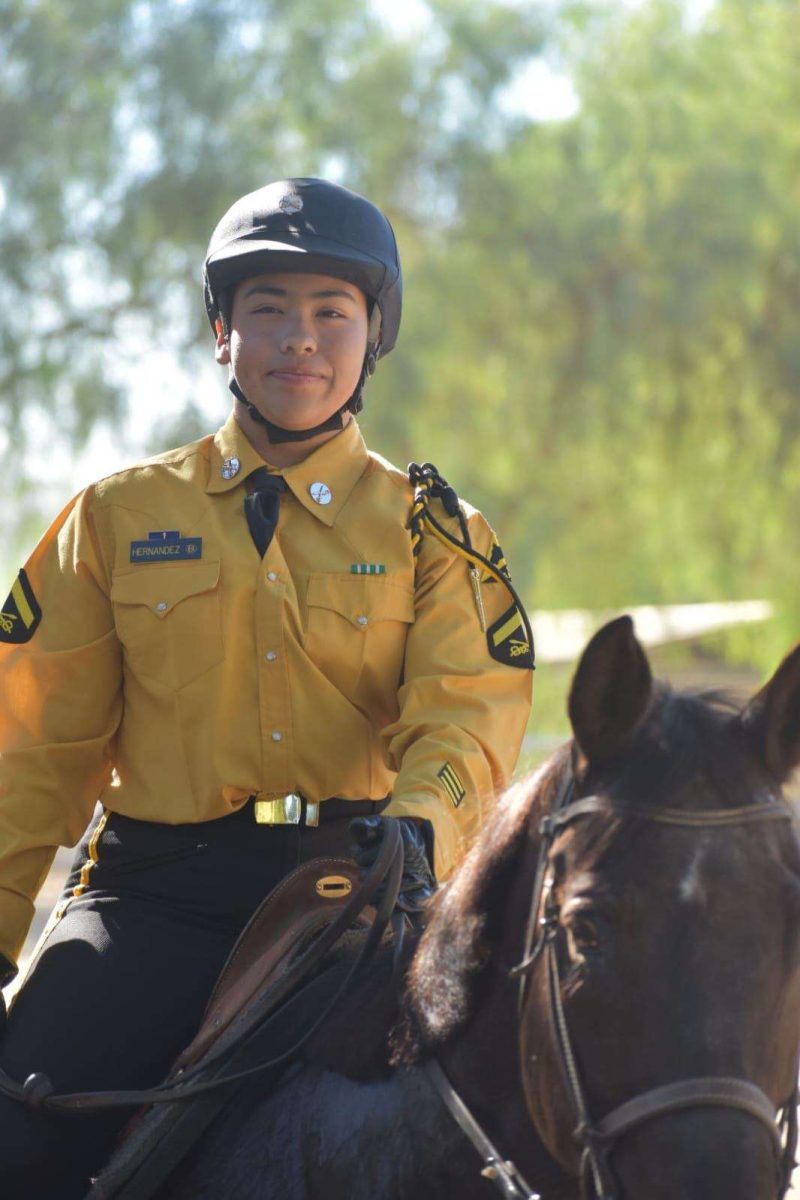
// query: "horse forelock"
[[454, 949], [689, 753]]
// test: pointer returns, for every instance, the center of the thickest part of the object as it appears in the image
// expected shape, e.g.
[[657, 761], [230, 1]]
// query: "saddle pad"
[[159, 1137], [298, 907]]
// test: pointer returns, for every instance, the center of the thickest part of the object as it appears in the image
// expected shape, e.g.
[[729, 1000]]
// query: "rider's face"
[[297, 345]]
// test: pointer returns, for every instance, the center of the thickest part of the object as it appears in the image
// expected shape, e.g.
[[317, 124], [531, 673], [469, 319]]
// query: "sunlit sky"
[[157, 386]]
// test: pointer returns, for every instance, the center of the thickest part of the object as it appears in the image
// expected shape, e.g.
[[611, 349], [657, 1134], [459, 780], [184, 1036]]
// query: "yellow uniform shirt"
[[202, 674]]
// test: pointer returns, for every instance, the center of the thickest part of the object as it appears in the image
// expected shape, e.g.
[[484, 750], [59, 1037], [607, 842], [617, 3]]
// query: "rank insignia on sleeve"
[[452, 784], [508, 642], [21, 613]]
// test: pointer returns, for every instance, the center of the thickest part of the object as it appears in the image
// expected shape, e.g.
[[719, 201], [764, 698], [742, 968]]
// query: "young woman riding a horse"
[[610, 982], [237, 648]]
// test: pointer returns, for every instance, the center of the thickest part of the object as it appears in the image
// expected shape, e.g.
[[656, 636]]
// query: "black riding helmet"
[[318, 227]]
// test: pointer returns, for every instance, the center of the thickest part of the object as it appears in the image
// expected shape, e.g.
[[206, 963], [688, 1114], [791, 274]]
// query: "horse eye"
[[582, 934]]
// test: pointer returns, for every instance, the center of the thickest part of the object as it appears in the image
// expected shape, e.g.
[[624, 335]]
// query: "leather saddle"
[[295, 911], [282, 948]]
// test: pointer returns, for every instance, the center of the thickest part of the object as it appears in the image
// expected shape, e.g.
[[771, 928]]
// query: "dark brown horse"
[[664, 948]]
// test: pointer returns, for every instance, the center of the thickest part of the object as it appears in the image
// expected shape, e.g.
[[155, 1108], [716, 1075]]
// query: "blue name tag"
[[166, 545]]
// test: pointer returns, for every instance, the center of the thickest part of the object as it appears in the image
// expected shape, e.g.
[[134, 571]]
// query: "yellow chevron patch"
[[21, 614], [452, 783]]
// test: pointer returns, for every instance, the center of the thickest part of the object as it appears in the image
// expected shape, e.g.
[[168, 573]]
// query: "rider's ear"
[[222, 350], [772, 719], [610, 691]]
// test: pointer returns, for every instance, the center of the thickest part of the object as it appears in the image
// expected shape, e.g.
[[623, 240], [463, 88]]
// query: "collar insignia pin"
[[230, 467], [321, 493]]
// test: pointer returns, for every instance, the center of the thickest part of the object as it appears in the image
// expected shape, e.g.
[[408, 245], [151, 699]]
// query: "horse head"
[[660, 1003]]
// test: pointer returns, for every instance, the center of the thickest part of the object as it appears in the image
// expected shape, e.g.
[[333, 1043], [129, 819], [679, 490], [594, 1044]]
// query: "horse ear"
[[772, 719], [610, 691]]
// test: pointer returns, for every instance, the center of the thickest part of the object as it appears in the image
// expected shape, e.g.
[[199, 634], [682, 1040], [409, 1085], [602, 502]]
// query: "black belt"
[[294, 809]]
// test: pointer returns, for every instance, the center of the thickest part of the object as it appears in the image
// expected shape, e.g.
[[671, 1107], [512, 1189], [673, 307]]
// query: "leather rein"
[[386, 873], [597, 1139]]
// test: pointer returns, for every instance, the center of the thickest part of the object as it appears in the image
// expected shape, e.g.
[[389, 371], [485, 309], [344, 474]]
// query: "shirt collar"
[[332, 470], [232, 458], [337, 466]]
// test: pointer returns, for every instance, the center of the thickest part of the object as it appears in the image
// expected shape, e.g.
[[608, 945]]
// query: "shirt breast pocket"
[[168, 620], [357, 630]]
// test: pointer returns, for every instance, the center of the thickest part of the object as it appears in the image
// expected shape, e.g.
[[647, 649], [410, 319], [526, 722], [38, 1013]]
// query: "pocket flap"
[[161, 588], [362, 598]]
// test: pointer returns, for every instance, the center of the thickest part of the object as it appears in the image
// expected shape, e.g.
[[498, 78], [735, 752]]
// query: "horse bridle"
[[597, 1139]]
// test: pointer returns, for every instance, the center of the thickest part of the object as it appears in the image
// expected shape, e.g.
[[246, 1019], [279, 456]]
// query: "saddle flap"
[[299, 906]]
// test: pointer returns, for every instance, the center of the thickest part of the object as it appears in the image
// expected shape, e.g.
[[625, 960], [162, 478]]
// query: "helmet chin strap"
[[277, 433]]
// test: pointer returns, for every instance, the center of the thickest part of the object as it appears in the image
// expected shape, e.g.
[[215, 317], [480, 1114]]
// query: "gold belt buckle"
[[286, 810]]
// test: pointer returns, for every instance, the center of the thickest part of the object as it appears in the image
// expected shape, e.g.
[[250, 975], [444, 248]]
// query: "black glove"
[[418, 882]]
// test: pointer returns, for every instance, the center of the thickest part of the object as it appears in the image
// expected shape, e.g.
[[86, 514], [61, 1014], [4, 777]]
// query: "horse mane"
[[455, 947]]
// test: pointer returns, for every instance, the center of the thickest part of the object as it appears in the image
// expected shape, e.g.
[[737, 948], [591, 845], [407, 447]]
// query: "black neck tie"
[[262, 506]]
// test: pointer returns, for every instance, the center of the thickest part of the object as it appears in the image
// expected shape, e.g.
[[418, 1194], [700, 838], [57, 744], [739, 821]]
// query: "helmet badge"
[[290, 204]]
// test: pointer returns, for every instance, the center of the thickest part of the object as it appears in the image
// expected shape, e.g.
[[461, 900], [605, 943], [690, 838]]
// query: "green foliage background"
[[600, 343]]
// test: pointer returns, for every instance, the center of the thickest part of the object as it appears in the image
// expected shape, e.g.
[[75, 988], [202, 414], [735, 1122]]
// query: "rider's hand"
[[419, 882]]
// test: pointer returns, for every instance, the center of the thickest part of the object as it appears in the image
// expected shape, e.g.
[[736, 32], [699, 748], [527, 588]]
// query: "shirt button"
[[362, 620], [276, 735], [272, 576], [270, 656], [161, 606]]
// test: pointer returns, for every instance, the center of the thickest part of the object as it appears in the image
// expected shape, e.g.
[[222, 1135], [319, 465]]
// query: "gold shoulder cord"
[[429, 485]]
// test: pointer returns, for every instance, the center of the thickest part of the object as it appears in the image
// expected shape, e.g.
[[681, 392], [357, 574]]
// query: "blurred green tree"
[[616, 378], [599, 343], [127, 127]]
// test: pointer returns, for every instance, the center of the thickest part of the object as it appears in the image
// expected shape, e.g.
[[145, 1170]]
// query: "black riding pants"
[[120, 985]]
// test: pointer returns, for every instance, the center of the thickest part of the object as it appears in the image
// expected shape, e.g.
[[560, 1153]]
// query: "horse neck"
[[483, 1060]]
